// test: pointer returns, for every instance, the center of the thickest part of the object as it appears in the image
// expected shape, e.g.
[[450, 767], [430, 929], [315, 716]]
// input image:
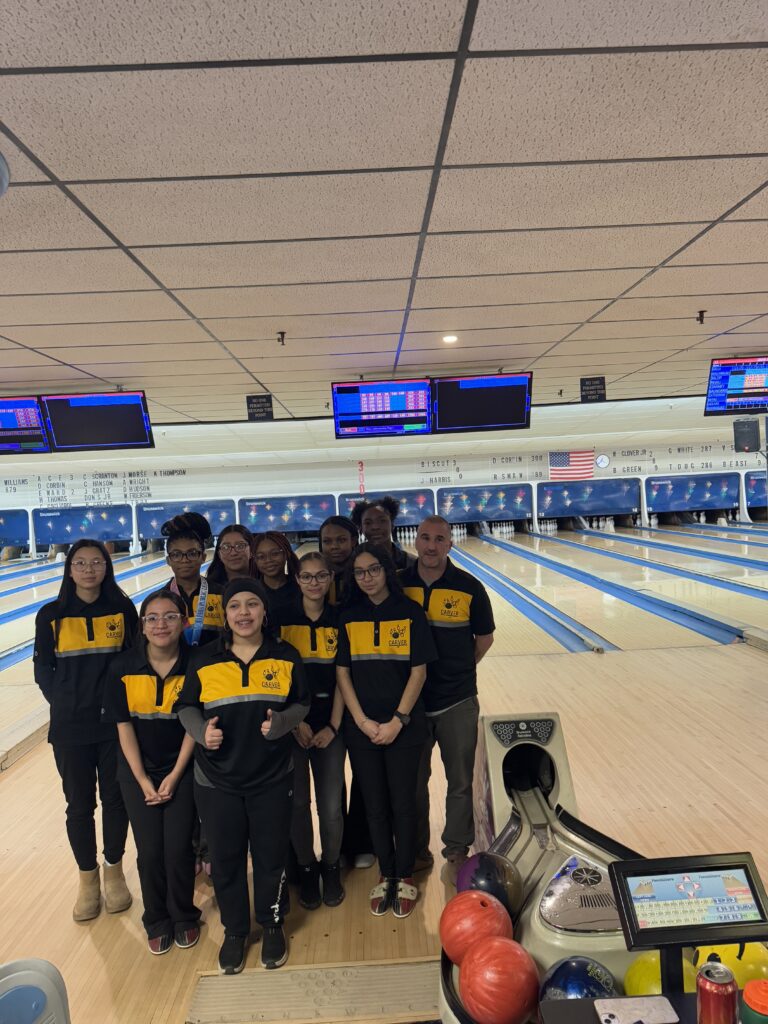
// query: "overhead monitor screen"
[[737, 386], [93, 422], [382, 408], [21, 427], [500, 401]]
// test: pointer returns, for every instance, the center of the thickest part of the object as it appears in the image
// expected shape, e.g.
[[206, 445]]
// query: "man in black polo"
[[461, 618]]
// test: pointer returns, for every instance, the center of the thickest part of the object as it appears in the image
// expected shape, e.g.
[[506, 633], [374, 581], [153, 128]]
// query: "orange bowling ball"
[[498, 982], [470, 916]]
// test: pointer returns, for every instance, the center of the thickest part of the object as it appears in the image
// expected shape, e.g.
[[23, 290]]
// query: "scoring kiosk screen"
[[500, 401], [381, 408], [737, 386], [689, 900], [92, 422], [21, 427]]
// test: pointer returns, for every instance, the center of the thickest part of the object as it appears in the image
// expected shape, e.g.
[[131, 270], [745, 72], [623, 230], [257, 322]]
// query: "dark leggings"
[[80, 767]]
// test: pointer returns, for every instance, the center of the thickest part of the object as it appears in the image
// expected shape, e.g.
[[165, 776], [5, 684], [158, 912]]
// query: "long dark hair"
[[352, 593], [216, 571], [283, 543], [109, 585]]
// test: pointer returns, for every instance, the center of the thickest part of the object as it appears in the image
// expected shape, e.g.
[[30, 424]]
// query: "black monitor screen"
[[21, 427], [501, 401], [737, 386], [381, 408], [93, 422]]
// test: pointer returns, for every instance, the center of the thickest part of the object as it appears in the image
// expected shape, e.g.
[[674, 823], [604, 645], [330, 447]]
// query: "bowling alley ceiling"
[[563, 186]]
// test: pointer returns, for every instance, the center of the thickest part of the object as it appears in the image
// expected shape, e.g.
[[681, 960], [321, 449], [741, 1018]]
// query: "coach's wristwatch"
[[403, 719]]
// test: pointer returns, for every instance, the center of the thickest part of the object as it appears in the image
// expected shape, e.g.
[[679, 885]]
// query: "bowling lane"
[[735, 545], [620, 623], [22, 630], [718, 601], [700, 558], [47, 572], [516, 633]]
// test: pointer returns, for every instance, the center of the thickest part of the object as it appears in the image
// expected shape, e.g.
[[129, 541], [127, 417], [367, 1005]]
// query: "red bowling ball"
[[498, 982], [470, 916]]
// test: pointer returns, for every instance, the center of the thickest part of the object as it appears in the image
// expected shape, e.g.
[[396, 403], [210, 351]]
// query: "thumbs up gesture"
[[213, 737], [266, 725]]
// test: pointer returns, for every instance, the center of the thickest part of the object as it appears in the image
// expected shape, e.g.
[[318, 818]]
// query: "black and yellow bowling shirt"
[[458, 609], [213, 621], [380, 644], [317, 643], [74, 645], [135, 693], [239, 694]]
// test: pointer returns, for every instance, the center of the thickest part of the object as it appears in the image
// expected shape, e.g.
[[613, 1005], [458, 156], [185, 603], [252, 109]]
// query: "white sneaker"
[[365, 860]]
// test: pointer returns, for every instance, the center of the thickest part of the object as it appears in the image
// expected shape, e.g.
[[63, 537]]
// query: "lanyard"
[[192, 633]]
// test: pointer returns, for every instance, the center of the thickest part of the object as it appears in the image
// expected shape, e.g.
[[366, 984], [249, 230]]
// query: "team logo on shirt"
[[270, 678], [210, 609], [114, 630], [398, 635], [177, 689], [331, 642], [450, 607]]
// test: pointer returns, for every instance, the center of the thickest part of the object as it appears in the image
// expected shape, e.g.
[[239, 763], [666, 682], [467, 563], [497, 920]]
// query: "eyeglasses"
[[81, 564], [227, 548], [171, 618], [185, 556], [372, 571], [314, 577]]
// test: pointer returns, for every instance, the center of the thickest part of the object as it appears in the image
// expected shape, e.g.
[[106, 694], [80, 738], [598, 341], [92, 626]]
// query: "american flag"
[[571, 465]]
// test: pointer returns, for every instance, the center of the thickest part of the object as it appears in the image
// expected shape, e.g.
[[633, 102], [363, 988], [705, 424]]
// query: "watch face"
[[602, 461]]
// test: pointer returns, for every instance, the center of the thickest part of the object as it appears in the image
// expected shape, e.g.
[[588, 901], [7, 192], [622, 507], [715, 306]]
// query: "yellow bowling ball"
[[747, 960], [643, 977]]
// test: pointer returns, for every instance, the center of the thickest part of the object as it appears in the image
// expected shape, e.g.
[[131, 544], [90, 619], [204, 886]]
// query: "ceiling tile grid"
[[189, 180]]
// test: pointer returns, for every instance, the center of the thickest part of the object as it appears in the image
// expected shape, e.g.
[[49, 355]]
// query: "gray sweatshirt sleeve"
[[194, 723], [284, 721]]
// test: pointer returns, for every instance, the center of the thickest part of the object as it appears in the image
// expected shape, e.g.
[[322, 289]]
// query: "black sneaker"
[[274, 948], [309, 885], [333, 890], [232, 954]]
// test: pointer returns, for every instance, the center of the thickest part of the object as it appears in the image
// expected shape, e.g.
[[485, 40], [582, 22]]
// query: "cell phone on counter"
[[638, 1010]]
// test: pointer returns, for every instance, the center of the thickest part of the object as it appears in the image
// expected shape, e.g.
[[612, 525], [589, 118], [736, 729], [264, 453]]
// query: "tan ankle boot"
[[88, 903], [117, 896]]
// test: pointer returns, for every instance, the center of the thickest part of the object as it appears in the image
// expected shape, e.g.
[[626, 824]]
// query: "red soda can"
[[717, 995]]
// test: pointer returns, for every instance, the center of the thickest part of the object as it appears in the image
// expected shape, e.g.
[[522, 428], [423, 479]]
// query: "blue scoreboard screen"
[[21, 427], [737, 386], [382, 408]]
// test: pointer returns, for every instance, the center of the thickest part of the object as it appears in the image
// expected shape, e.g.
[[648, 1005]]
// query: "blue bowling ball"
[[577, 977]]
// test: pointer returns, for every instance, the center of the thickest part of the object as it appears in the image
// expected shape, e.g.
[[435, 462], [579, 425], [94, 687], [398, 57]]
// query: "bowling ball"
[[498, 982], [468, 917], [643, 977], [577, 977], [494, 874], [747, 960]]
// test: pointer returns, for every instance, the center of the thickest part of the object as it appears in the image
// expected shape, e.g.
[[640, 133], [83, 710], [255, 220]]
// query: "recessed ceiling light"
[[449, 338]]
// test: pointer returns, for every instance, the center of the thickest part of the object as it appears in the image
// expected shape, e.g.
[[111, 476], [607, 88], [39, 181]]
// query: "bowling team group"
[[201, 719]]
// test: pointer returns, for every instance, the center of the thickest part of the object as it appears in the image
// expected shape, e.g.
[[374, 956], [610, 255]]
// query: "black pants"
[[357, 836], [163, 835], [79, 768], [387, 777], [232, 822]]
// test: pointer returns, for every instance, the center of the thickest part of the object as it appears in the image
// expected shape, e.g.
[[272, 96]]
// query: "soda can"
[[717, 995]]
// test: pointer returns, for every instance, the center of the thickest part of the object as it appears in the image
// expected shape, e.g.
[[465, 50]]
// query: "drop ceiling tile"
[[33, 376], [119, 355], [43, 218], [296, 299], [287, 263], [202, 30], [334, 364], [170, 368], [134, 333], [500, 288], [549, 250], [660, 308], [15, 357], [497, 336], [416, 343], [757, 207], [453, 321], [48, 272], [604, 106], [655, 328], [705, 280], [645, 345], [70, 309], [603, 23], [344, 325], [633, 193], [729, 242], [260, 209], [295, 347], [231, 120], [20, 166]]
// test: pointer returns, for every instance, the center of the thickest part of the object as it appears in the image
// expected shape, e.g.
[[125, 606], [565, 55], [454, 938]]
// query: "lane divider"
[[572, 635], [700, 622], [718, 540], [744, 563], [52, 577]]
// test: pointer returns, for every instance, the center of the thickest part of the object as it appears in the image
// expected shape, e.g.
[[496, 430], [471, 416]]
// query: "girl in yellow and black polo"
[[384, 646], [241, 699], [76, 638], [155, 770], [311, 626], [186, 537]]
